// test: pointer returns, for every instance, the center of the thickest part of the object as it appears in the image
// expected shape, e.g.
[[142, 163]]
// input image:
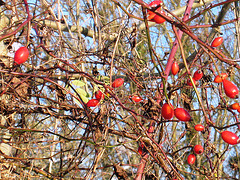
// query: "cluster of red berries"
[[227, 136], [196, 76], [115, 84], [198, 149], [153, 16], [230, 89], [99, 95], [168, 112]]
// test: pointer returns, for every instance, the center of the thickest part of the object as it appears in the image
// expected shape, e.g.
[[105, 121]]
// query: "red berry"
[[21, 55], [191, 159], [175, 68], [92, 102], [230, 137], [141, 149], [230, 89], [182, 114], [217, 42], [167, 111], [154, 4], [136, 98], [199, 127], [235, 106], [218, 79], [198, 75], [190, 83], [158, 19], [151, 129], [153, 16], [99, 95], [117, 82], [238, 110], [198, 149]]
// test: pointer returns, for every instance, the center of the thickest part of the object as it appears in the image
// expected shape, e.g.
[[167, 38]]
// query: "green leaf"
[[78, 83], [106, 78], [84, 98], [83, 94]]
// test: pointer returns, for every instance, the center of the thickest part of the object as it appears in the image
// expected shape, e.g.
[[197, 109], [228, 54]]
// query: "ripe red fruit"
[[99, 95], [230, 137], [198, 149], [92, 103], [218, 79], [141, 149], [217, 42], [151, 129], [182, 114], [198, 75], [235, 106], [21, 55], [190, 83], [175, 68], [153, 16], [199, 127], [230, 89], [167, 111], [136, 98], [238, 110], [117, 82], [191, 159]]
